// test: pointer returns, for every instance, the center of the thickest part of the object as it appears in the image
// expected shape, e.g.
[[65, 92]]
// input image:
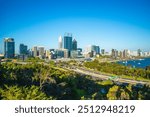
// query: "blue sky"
[[119, 24]]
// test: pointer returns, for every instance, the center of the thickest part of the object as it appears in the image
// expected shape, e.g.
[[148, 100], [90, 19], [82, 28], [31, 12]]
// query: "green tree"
[[22, 93], [112, 93]]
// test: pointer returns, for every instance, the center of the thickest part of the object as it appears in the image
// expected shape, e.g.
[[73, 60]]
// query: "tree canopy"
[[36, 81]]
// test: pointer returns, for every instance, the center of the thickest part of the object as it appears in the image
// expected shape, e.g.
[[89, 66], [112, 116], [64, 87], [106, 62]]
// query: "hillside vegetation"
[[47, 82]]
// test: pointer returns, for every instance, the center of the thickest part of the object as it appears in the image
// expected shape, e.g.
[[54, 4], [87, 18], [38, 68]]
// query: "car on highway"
[[114, 78]]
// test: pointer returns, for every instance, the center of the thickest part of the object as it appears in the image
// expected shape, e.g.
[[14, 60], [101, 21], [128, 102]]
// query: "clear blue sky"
[[118, 24]]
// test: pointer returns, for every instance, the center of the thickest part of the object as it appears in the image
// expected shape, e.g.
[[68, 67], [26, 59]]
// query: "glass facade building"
[[68, 42], [74, 45], [23, 49], [9, 48]]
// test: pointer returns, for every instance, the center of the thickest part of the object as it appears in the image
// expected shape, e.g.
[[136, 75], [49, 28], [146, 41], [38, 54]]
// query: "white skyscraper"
[[60, 42]]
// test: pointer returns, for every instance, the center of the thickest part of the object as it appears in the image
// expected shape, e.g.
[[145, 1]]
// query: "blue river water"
[[140, 63]]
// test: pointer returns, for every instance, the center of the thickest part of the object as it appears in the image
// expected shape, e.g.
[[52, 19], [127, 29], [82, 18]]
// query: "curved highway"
[[106, 77]]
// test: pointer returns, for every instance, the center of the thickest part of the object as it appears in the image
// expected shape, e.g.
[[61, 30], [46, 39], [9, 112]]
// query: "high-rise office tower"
[[35, 51], [41, 52], [23, 49], [74, 45], [60, 42], [68, 42], [121, 54], [125, 53], [79, 51], [9, 48], [92, 50], [102, 51], [95, 49], [139, 52], [113, 52]]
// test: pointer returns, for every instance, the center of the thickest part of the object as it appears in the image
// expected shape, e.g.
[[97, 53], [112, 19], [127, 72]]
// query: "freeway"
[[106, 77], [97, 75]]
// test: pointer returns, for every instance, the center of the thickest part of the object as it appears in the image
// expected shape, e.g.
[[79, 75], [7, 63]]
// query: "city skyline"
[[69, 45], [58, 46], [120, 25]]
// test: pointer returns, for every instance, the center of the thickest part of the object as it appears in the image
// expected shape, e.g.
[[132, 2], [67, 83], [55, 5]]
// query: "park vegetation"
[[37, 81]]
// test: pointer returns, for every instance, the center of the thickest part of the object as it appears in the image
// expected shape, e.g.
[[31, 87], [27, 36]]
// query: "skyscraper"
[[113, 52], [139, 52], [92, 50], [35, 51], [9, 48], [60, 42], [125, 53], [41, 52], [102, 51], [95, 49], [68, 42], [74, 45], [79, 51], [23, 49]]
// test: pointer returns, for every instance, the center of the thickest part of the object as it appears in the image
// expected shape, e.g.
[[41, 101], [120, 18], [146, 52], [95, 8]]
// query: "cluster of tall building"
[[91, 51], [67, 48], [9, 48], [38, 51], [128, 53]]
